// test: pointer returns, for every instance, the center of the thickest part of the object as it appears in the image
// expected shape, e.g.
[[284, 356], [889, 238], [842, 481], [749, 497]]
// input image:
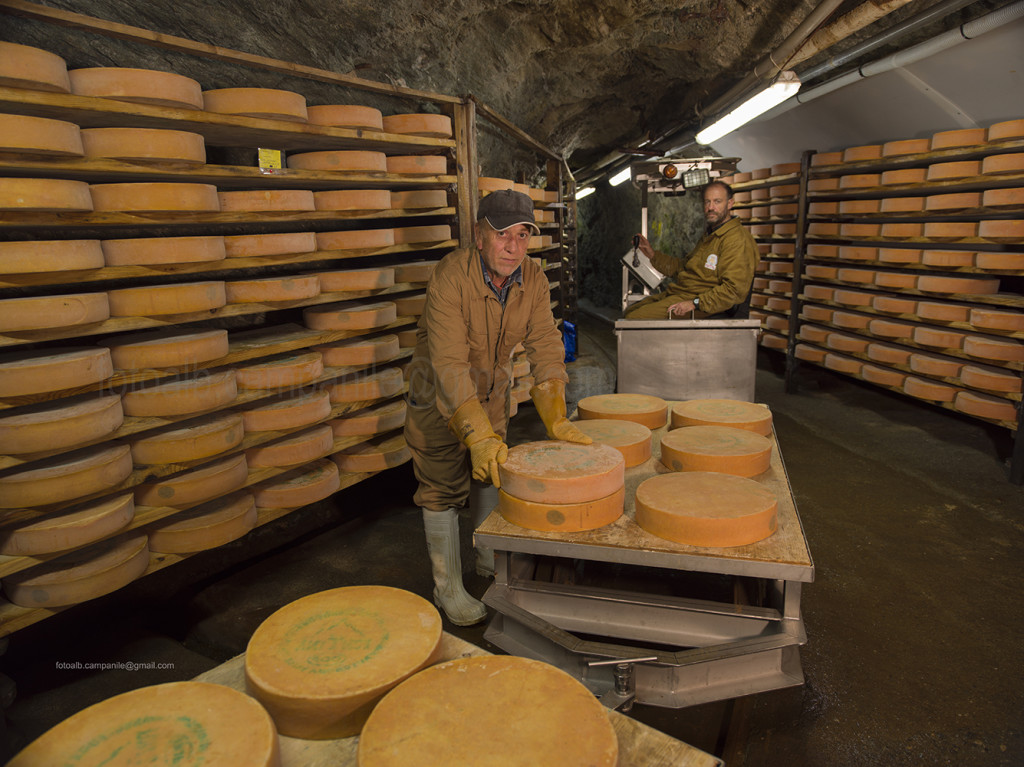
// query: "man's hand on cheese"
[[486, 449], [549, 399]]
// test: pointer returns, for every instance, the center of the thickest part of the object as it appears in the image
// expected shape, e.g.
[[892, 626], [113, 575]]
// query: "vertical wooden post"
[[465, 169], [798, 274]]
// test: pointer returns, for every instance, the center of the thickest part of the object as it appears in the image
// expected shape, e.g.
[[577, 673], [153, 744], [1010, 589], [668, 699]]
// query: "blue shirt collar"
[[502, 292]]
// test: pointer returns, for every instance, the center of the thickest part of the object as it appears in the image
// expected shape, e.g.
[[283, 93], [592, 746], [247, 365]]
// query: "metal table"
[[657, 648]]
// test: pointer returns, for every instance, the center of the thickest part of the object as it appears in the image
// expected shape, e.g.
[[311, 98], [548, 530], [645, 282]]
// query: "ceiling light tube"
[[786, 85], [619, 177], [581, 193]]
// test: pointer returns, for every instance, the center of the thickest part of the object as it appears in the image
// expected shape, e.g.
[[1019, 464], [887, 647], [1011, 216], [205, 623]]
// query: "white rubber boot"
[[442, 531], [483, 499]]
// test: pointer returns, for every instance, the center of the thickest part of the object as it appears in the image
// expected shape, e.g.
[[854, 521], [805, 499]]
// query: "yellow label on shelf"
[[269, 159]]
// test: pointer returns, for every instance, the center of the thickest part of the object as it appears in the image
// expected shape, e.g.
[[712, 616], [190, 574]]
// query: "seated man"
[[714, 280]]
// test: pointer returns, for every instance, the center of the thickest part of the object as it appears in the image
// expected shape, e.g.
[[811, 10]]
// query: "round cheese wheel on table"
[[196, 485], [350, 316], [373, 420], [264, 200], [156, 300], [346, 116], [416, 234], [320, 664], [985, 406], [716, 448], [141, 86], [385, 383], [373, 456], [418, 165], [156, 197], [557, 722], [164, 724], [430, 125], [287, 411], [356, 279], [562, 517], [67, 476], [562, 472], [205, 527], [303, 447], [166, 348], [272, 103], [68, 529], [144, 145], [270, 290], [36, 256], [706, 509], [52, 370], [644, 409], [289, 370], [61, 424], [44, 195], [189, 441], [81, 575], [353, 199], [183, 397], [360, 351], [255, 245], [146, 251], [723, 412], [22, 66], [350, 160], [39, 135], [299, 487], [419, 198], [418, 271], [44, 312], [355, 239]]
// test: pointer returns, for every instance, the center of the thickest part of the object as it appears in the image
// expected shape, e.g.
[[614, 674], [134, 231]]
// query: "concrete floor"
[[914, 653]]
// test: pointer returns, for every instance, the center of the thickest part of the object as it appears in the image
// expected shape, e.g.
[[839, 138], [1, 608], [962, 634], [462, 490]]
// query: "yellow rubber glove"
[[549, 399], [486, 449]]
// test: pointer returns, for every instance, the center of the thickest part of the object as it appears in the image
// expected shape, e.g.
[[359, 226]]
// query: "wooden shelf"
[[917, 160]]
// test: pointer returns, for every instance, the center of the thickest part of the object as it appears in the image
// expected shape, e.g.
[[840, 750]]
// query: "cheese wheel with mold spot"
[[290, 370], [166, 348], [355, 239], [716, 448], [299, 487], [561, 472], [155, 197], [345, 160], [140, 86], [37, 256], [67, 529], [205, 527], [196, 485], [22, 66], [644, 409], [353, 199], [293, 450], [350, 316], [160, 723], [287, 411], [45, 312], [39, 135], [373, 456], [267, 200], [177, 298], [144, 145], [269, 290], [723, 412], [429, 125], [385, 383], [146, 251], [66, 476], [346, 116], [255, 245], [372, 420], [706, 509], [182, 397], [418, 165], [360, 351], [49, 370], [271, 103], [356, 279], [44, 195], [562, 517], [61, 424], [189, 441]]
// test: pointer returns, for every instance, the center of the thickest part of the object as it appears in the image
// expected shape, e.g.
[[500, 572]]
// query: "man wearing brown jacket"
[[481, 302], [715, 278]]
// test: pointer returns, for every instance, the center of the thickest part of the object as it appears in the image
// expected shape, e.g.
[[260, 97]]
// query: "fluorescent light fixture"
[[786, 85], [581, 193], [619, 177]]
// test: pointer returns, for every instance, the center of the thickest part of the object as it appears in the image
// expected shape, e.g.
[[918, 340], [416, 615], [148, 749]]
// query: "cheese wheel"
[[418, 165], [644, 409], [155, 197], [354, 199], [360, 351], [903, 204], [947, 170], [985, 348], [1002, 231], [823, 208], [68, 529], [898, 280], [761, 230], [933, 391], [990, 379], [951, 230], [196, 485], [1003, 198], [985, 406], [889, 354], [419, 198], [854, 207], [36, 372], [899, 255], [44, 195], [410, 305], [809, 353], [356, 239], [938, 338], [386, 383], [44, 312], [850, 320], [194, 395], [967, 285], [817, 313], [1005, 130], [902, 230], [559, 721], [893, 305], [373, 456], [853, 297], [205, 527], [299, 487], [776, 304], [22, 66], [842, 342], [813, 333], [826, 158], [561, 472], [147, 251], [956, 138], [287, 411], [140, 86], [883, 376], [296, 449], [819, 292], [372, 420], [706, 509], [861, 153], [156, 300], [144, 145], [415, 234], [1000, 321], [905, 146], [520, 367], [430, 125], [349, 160], [947, 258], [823, 229], [784, 230], [271, 103], [418, 271], [958, 201], [562, 517], [772, 341], [716, 448], [723, 412], [346, 116], [69, 475], [83, 574], [942, 312], [350, 316], [169, 348], [761, 211], [935, 365], [492, 184], [857, 276], [264, 200], [271, 290], [285, 371], [356, 279], [904, 176], [1009, 262], [890, 329], [843, 364], [859, 180], [189, 441], [631, 439], [61, 424], [164, 723], [255, 245], [37, 256], [823, 184], [319, 664], [816, 250], [39, 135]]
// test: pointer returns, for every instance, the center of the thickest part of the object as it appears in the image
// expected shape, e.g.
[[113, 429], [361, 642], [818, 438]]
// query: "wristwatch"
[[696, 304]]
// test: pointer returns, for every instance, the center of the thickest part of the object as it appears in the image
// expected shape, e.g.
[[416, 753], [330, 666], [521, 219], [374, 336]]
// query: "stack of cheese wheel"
[[631, 439], [375, 455], [557, 720], [716, 448], [562, 486], [321, 663], [28, 534], [644, 409], [210, 723], [205, 527], [141, 86], [723, 412], [271, 103]]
